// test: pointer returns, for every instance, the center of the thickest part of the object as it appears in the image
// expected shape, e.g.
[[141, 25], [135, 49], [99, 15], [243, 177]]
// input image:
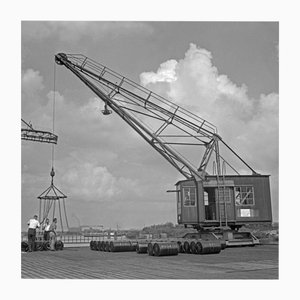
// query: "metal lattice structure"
[[30, 134], [170, 129], [48, 200]]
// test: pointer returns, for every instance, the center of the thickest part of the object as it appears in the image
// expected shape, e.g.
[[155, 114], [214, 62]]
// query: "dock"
[[259, 262]]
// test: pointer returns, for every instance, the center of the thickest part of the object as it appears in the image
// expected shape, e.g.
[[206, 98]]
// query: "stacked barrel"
[[113, 246], [40, 245], [161, 247], [200, 246]]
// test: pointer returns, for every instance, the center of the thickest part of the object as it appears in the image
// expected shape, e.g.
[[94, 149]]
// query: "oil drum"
[[101, 247], [98, 244], [165, 249], [186, 247], [208, 247], [150, 249], [94, 245], [120, 246], [193, 247], [24, 246], [59, 245], [106, 246], [39, 246], [46, 245], [180, 247], [141, 248]]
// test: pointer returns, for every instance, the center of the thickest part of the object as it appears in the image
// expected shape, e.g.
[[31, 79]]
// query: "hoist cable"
[[53, 112]]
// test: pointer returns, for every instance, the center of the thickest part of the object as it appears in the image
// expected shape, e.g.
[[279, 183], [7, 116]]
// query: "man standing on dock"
[[33, 224]]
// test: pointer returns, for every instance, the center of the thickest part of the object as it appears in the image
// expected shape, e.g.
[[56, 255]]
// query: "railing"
[[74, 238]]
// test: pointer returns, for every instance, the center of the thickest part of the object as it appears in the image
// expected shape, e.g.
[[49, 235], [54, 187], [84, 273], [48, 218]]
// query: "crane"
[[30, 134], [187, 142]]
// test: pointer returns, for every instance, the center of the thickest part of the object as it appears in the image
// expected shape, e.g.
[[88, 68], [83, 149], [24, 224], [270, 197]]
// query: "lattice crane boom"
[[162, 123], [31, 134]]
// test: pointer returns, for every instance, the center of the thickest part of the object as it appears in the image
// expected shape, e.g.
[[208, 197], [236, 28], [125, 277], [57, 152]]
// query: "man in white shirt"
[[33, 224]]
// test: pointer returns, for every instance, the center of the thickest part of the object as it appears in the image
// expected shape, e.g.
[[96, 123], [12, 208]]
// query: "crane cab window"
[[244, 195], [189, 196]]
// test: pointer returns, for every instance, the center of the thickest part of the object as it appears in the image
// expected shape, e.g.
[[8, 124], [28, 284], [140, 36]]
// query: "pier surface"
[[259, 262]]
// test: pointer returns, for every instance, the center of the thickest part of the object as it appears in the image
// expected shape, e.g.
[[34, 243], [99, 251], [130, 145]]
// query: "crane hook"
[[106, 111]]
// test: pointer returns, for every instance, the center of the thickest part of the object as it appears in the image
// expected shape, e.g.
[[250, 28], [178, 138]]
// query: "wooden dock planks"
[[82, 263]]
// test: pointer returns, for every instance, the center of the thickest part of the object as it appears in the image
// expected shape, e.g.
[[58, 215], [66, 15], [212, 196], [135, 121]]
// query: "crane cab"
[[232, 201]]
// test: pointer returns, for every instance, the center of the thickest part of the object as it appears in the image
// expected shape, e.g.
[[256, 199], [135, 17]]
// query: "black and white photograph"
[[149, 151]]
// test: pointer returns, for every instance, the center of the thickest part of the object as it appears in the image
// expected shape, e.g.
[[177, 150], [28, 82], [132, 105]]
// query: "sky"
[[246, 53], [227, 71]]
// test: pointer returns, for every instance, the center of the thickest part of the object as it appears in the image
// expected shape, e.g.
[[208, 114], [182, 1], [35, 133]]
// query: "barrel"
[[150, 249], [46, 245], [92, 243], [208, 247], [186, 247], [120, 246], [59, 245], [180, 246], [141, 248], [101, 247], [165, 249], [24, 246], [193, 247], [98, 245], [39, 246], [106, 246]]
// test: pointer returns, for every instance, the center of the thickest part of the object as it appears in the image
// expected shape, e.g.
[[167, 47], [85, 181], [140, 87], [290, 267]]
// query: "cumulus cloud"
[[34, 101], [165, 73], [32, 82], [91, 182], [196, 83]]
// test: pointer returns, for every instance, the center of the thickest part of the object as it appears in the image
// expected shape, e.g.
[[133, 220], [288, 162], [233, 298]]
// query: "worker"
[[52, 231], [33, 224], [46, 228]]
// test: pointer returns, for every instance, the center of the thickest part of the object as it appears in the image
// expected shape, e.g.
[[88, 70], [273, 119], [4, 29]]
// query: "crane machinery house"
[[232, 200]]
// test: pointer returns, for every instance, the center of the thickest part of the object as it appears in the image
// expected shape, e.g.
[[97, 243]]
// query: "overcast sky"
[[110, 175]]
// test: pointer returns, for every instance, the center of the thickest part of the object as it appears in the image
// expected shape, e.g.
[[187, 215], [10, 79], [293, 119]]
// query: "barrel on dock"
[[24, 246], [39, 246], [193, 247], [150, 249], [98, 245], [59, 245], [186, 247], [93, 245], [106, 246], [120, 246], [165, 248], [101, 247], [209, 247], [47, 245], [141, 248]]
